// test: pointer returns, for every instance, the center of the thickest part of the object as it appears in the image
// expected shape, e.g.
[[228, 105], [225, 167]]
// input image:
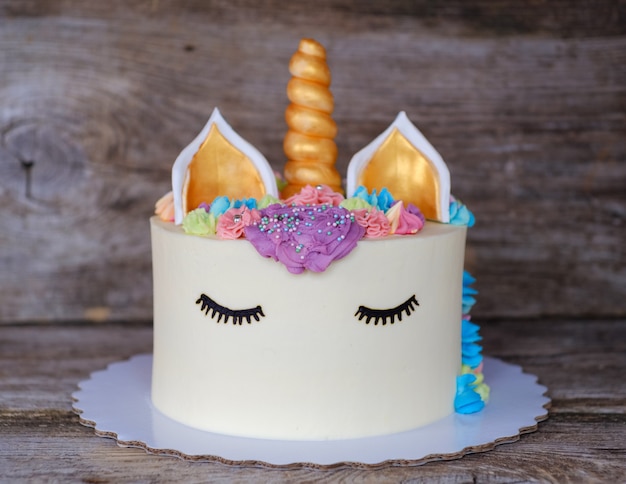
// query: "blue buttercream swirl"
[[471, 351], [250, 203], [460, 214], [219, 206], [467, 400], [382, 201], [468, 279], [222, 204], [468, 292], [471, 391]]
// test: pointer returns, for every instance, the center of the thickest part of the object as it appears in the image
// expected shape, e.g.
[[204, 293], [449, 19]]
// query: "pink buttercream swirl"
[[374, 222], [322, 194], [405, 221], [232, 223]]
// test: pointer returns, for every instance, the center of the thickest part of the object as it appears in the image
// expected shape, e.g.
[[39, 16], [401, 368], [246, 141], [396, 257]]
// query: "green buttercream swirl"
[[266, 201], [355, 203], [199, 222]]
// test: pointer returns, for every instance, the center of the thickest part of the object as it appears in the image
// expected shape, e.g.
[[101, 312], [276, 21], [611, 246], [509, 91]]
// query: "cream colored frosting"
[[309, 369]]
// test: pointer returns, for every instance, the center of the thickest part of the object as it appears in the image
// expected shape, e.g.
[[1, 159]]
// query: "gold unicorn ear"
[[402, 160], [219, 162]]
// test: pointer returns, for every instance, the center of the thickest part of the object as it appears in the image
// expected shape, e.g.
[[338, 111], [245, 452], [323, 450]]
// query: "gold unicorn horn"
[[309, 142]]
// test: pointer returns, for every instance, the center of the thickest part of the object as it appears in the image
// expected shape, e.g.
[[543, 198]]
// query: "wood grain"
[[526, 101], [583, 440]]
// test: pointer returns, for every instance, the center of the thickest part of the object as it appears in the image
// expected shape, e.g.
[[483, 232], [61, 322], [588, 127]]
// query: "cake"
[[305, 313]]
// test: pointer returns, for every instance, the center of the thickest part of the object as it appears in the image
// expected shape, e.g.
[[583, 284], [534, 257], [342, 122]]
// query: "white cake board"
[[116, 403]]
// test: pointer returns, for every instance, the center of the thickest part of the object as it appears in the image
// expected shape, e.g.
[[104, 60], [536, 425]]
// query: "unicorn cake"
[[291, 309]]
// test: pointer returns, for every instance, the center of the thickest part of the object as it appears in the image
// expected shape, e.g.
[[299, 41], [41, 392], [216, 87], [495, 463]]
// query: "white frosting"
[[309, 369]]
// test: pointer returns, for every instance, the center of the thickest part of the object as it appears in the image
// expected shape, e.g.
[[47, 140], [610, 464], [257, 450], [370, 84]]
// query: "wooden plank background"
[[525, 100]]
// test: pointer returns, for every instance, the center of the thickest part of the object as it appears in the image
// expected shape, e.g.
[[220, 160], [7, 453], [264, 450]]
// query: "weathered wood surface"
[[584, 439], [525, 100]]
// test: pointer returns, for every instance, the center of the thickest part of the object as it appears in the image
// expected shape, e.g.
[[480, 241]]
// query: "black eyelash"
[[238, 315], [383, 314]]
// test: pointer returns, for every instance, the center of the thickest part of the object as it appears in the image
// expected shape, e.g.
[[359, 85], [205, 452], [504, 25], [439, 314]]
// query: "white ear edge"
[[179, 169], [402, 123]]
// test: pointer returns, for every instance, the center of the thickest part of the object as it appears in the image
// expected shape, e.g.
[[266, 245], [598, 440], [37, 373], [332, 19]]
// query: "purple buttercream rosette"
[[304, 237]]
